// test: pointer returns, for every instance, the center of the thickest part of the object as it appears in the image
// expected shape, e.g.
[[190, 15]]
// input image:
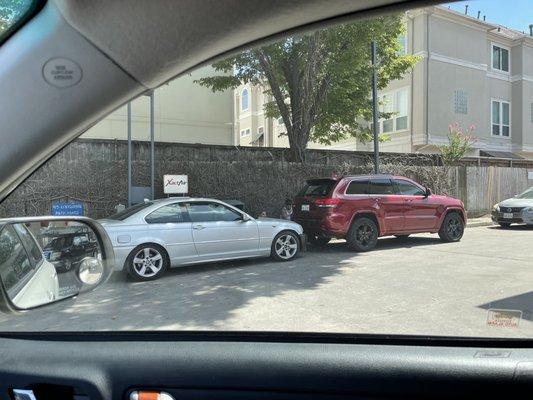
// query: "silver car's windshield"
[[528, 194]]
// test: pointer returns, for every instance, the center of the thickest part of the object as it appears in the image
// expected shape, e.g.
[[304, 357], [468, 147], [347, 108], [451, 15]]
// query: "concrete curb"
[[475, 224]]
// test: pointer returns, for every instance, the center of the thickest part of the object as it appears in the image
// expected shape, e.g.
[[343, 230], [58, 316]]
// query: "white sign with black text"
[[175, 184]]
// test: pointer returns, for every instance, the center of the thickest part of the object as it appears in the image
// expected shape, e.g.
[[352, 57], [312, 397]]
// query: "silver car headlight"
[[496, 208], [529, 210]]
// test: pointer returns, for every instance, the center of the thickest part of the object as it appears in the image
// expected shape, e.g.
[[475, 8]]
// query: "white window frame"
[[248, 102], [501, 46], [500, 133], [246, 132], [393, 94]]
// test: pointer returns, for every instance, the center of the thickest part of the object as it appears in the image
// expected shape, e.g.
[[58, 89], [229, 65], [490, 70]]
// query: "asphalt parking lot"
[[415, 286]]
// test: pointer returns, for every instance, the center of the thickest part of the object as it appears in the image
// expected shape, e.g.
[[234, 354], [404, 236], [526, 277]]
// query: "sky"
[[515, 14]]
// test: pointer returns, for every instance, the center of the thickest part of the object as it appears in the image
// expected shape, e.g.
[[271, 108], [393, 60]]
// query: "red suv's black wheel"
[[452, 228], [363, 235]]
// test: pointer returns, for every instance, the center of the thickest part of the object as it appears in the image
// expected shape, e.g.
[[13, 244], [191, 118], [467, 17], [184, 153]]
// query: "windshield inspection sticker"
[[62, 72], [504, 318]]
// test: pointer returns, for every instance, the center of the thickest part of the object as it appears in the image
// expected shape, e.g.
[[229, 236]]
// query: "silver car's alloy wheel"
[[286, 246], [147, 262]]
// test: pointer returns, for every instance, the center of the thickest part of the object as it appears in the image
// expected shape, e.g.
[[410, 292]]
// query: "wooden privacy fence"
[[482, 187]]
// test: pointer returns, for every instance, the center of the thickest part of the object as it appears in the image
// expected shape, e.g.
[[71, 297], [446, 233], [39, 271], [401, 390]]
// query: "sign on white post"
[[530, 175], [175, 184]]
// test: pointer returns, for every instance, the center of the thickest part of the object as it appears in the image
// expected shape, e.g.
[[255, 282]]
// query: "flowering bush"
[[459, 143]]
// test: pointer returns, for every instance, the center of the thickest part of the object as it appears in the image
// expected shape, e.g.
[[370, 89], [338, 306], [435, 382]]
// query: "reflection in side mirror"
[[43, 260]]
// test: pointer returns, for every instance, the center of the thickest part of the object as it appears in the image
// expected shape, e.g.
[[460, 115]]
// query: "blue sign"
[[67, 209]]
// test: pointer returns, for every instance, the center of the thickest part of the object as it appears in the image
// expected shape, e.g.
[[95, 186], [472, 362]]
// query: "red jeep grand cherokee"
[[362, 208]]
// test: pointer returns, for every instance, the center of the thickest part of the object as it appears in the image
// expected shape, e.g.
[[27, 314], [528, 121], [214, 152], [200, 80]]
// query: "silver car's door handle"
[[198, 227]]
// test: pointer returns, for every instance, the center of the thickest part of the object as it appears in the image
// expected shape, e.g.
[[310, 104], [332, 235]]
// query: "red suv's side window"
[[408, 189], [358, 187], [381, 187]]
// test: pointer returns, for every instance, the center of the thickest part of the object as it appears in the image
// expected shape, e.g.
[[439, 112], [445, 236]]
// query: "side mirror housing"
[[34, 269], [246, 218], [428, 192]]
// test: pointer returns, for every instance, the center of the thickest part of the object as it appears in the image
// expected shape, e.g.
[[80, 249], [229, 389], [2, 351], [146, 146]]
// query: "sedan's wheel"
[[286, 246], [147, 262], [363, 235], [452, 228]]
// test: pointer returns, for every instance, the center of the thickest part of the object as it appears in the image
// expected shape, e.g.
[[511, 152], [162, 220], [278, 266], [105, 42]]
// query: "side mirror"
[[246, 218], [34, 269], [428, 192]]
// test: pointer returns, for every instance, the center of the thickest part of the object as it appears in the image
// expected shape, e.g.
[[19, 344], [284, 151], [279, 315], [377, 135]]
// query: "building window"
[[244, 100], [460, 102], [500, 58], [501, 118], [259, 141], [396, 104], [245, 132], [402, 40]]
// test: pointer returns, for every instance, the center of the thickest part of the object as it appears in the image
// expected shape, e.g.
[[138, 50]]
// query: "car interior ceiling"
[[201, 365]]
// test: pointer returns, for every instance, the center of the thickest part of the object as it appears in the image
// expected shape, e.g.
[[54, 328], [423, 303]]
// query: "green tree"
[[10, 11], [320, 82]]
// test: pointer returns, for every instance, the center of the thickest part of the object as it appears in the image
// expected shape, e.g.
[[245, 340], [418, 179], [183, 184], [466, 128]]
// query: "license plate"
[[305, 207], [508, 215]]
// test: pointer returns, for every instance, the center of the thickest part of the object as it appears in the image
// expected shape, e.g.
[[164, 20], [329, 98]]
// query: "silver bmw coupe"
[[150, 237]]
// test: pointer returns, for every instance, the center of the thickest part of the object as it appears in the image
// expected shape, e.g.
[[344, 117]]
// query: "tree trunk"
[[297, 144]]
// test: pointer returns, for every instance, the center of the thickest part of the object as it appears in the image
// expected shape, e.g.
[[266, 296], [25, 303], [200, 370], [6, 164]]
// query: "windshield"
[[528, 194], [373, 156], [317, 188], [12, 13]]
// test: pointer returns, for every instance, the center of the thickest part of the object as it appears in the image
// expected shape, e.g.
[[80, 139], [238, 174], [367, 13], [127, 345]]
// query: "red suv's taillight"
[[327, 203]]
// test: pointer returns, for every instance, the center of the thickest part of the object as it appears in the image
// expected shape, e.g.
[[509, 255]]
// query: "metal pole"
[[129, 153], [152, 145], [375, 112]]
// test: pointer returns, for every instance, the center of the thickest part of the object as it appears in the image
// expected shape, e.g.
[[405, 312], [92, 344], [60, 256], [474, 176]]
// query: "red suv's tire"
[[363, 235], [452, 227]]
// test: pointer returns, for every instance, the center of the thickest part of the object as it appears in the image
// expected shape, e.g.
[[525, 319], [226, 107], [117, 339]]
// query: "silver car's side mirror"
[[46, 259], [246, 218]]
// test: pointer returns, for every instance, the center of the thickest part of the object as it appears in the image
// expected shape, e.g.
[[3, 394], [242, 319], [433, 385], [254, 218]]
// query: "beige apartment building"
[[470, 71], [184, 112]]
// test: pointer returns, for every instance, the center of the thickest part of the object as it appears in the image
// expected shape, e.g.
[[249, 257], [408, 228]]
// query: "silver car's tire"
[[147, 262], [285, 246]]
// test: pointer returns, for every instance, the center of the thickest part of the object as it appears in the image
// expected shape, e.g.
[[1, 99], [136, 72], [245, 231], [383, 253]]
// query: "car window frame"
[[399, 193], [184, 212], [36, 264], [382, 194], [17, 288], [355, 180], [238, 212]]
